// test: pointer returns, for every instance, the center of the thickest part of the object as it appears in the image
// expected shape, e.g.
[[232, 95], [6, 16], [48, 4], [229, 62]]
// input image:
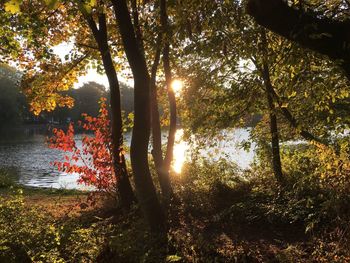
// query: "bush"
[[26, 234], [6, 179], [29, 234]]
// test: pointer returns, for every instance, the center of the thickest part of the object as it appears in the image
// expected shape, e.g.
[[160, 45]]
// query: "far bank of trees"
[[86, 101], [14, 109]]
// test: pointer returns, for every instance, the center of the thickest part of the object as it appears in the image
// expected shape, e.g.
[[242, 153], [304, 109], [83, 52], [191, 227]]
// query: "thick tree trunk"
[[125, 191], [323, 35], [140, 135]]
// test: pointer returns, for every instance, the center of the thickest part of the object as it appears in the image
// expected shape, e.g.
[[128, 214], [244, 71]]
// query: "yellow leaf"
[[12, 6], [89, 5], [284, 105], [93, 2], [294, 93], [87, 8]]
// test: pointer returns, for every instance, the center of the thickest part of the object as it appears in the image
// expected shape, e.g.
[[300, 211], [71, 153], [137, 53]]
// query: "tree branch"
[[323, 35]]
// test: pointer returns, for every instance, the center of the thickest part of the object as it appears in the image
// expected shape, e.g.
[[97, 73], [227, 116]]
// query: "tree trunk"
[[172, 100], [125, 191], [276, 158], [163, 175], [156, 129], [140, 135], [124, 187], [172, 105]]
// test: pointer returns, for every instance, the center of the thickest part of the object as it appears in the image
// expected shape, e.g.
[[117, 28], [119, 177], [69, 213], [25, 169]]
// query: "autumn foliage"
[[92, 160]]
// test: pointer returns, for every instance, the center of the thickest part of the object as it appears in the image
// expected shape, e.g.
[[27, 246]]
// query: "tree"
[[86, 99], [141, 130], [62, 75], [34, 32], [94, 160], [100, 35], [276, 158], [45, 84], [10, 107], [308, 24], [233, 69], [163, 164]]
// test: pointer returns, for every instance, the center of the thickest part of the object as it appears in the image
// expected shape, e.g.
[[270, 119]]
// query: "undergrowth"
[[219, 214]]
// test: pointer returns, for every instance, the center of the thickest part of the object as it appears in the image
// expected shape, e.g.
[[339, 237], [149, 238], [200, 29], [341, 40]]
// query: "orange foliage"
[[93, 159]]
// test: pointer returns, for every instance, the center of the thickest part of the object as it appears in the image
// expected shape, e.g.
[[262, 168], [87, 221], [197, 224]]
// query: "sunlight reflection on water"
[[179, 152], [228, 147]]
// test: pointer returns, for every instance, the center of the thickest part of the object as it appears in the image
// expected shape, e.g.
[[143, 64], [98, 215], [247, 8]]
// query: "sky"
[[63, 49]]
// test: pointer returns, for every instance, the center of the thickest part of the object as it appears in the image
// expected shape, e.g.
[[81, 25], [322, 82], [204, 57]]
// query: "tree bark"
[[156, 129], [100, 34], [276, 157], [172, 100], [163, 175], [141, 131], [320, 34], [136, 22]]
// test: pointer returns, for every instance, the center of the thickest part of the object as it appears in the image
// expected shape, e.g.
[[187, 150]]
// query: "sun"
[[177, 86]]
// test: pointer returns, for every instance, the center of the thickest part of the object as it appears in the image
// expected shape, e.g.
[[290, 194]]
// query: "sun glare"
[[179, 152], [177, 86]]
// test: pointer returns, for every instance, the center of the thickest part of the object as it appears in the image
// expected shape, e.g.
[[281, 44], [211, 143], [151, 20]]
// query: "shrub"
[[27, 234], [93, 161], [6, 179]]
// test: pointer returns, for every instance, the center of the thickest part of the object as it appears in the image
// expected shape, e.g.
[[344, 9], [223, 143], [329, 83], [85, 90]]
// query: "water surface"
[[25, 151]]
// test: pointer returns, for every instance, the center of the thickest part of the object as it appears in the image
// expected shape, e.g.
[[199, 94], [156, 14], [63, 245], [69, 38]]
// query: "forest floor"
[[203, 227]]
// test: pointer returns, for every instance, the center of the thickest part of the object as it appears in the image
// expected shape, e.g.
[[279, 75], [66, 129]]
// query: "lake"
[[26, 153]]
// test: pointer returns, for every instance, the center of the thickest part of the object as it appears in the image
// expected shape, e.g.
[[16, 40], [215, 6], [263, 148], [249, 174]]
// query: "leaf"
[[93, 3], [173, 258], [89, 5], [294, 93], [284, 105], [13, 6], [51, 3]]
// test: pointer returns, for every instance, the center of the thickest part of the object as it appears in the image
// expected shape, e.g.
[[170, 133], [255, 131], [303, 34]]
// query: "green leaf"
[[51, 3], [87, 8]]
